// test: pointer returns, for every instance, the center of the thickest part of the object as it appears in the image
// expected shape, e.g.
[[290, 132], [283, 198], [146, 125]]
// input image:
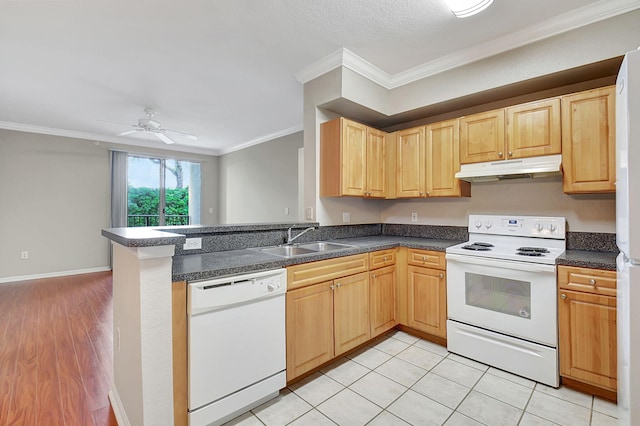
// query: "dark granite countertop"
[[208, 265], [142, 237], [589, 259]]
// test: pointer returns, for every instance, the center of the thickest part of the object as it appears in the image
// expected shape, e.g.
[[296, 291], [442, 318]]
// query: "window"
[[162, 192]]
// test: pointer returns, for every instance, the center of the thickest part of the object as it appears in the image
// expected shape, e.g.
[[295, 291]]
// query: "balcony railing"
[[135, 220]]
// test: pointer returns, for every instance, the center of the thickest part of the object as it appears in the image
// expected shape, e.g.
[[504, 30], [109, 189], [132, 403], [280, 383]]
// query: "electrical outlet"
[[286, 211], [346, 217], [24, 255], [414, 216], [192, 244], [308, 213]]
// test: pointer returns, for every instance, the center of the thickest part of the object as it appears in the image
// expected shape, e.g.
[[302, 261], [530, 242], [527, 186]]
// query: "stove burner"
[[530, 253], [533, 249], [478, 247]]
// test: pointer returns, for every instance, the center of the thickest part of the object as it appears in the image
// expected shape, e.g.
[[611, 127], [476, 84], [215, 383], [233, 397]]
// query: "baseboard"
[[53, 274], [118, 408]]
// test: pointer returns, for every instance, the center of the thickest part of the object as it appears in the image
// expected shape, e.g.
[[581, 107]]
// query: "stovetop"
[[532, 239]]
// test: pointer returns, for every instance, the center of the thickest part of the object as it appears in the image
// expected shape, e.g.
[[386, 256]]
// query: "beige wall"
[[55, 199], [256, 184], [599, 41]]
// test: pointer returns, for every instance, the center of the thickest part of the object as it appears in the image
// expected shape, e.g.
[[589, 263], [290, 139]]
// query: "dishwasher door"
[[236, 340]]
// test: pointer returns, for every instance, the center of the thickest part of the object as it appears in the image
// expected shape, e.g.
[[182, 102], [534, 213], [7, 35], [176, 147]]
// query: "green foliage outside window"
[[145, 201]]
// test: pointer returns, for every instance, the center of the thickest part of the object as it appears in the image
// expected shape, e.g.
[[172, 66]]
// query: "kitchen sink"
[[303, 248]]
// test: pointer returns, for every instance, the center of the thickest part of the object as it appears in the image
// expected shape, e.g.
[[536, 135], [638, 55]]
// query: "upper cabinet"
[[482, 137], [526, 130], [533, 129], [427, 161], [352, 160], [588, 141]]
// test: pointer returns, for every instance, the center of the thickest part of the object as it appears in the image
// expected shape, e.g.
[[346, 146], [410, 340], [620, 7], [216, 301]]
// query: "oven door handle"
[[508, 264]]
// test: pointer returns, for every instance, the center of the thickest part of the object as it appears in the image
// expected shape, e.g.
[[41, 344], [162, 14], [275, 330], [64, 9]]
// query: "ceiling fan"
[[149, 125]]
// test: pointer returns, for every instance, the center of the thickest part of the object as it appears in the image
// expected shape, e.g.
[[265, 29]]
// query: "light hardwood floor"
[[56, 351]]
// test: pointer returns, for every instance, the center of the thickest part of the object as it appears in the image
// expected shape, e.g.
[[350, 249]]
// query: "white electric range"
[[502, 294]]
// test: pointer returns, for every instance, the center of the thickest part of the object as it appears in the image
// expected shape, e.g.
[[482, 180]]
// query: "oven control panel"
[[522, 226]]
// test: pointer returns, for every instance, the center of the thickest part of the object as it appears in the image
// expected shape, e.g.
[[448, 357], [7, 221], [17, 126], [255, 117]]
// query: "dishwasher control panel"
[[224, 292]]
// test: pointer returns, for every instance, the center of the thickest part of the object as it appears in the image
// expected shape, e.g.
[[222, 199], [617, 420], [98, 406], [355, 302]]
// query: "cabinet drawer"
[[431, 259], [587, 280], [326, 270], [382, 258]]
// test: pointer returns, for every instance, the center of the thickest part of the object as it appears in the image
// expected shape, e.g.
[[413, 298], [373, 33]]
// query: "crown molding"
[[568, 21], [262, 139], [95, 137]]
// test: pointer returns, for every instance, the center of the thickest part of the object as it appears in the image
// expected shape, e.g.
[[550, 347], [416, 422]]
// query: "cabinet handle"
[[332, 287], [564, 296], [373, 276], [338, 285], [510, 154], [592, 282], [441, 275], [500, 154], [428, 193], [420, 193], [384, 258]]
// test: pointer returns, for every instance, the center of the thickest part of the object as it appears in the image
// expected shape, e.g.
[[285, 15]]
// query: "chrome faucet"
[[291, 239]]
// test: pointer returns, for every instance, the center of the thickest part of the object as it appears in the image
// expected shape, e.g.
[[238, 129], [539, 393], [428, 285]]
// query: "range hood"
[[547, 165]]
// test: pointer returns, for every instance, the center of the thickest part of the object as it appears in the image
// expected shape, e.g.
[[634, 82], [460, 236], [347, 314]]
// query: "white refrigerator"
[[628, 237]]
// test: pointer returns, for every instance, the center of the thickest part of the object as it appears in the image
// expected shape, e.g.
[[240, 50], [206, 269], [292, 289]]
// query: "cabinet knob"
[[510, 154], [373, 276], [420, 192], [424, 258], [500, 154], [428, 193], [332, 286], [338, 285], [384, 258], [564, 296], [592, 281], [441, 275]]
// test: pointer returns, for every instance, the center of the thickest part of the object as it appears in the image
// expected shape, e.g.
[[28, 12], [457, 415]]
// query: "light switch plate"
[[414, 216], [346, 217]]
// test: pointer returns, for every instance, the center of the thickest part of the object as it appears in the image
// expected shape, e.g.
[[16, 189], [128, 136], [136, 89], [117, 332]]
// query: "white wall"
[[54, 201], [599, 41], [256, 184]]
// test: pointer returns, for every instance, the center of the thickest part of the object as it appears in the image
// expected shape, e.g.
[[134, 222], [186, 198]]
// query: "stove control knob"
[[271, 287], [488, 224], [552, 227], [539, 226], [478, 224]]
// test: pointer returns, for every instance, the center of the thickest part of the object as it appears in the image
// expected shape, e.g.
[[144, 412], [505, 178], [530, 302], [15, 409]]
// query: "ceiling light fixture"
[[465, 8]]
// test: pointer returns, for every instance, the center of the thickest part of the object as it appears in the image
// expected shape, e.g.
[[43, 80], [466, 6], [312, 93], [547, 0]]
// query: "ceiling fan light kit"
[[466, 8], [153, 127]]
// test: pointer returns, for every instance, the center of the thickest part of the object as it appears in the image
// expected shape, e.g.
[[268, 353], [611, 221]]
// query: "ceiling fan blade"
[[164, 138], [127, 132], [183, 134]]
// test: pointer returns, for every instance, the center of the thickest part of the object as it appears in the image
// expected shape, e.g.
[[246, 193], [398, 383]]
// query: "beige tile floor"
[[402, 380]]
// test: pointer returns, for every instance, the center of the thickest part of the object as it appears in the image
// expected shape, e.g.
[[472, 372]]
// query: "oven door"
[[514, 298]]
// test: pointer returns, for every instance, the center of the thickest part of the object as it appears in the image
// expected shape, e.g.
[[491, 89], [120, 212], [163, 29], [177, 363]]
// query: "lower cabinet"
[[382, 298], [427, 300], [325, 320], [587, 326]]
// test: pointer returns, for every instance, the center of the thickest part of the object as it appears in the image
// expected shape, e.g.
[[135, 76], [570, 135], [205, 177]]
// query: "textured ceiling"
[[223, 70]]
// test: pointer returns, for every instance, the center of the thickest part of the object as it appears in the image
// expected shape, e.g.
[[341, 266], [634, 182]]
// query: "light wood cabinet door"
[[309, 328], [376, 171], [383, 300], [351, 312], [443, 160], [588, 141], [427, 300], [482, 137], [587, 338], [534, 129], [354, 157], [410, 170]]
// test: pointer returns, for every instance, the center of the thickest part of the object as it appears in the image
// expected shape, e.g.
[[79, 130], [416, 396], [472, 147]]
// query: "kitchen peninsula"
[[147, 261]]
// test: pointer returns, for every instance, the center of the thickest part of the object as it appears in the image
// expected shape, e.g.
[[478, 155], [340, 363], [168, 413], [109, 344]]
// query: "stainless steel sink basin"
[[303, 248], [324, 246], [286, 251]]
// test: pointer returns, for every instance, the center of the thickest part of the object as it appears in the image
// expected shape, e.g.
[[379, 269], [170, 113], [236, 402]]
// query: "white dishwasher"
[[237, 349]]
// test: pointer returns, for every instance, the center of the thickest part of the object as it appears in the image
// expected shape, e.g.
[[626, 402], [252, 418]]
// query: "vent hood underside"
[[532, 167]]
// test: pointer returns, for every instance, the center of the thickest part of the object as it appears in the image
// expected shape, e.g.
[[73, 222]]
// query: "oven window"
[[506, 296]]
